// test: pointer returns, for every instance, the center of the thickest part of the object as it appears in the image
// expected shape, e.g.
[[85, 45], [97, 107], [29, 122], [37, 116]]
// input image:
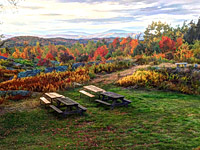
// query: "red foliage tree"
[[49, 56], [4, 54], [167, 44], [102, 51], [116, 42]]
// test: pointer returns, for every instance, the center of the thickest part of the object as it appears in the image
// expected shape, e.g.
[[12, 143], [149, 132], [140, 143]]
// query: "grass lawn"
[[154, 120]]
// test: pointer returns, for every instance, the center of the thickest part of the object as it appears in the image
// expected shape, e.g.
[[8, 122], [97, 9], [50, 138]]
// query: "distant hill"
[[32, 40], [69, 37], [83, 35]]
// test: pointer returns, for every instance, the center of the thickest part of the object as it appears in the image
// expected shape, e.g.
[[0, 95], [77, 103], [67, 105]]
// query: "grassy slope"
[[154, 120]]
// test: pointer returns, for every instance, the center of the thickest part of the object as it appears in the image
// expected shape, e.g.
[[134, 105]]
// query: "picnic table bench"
[[113, 99]]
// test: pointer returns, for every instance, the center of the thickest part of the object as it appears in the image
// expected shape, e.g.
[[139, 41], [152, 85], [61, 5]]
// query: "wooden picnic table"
[[179, 64], [94, 88], [113, 99], [69, 106]]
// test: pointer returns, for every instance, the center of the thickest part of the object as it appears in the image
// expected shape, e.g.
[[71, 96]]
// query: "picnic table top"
[[112, 95], [94, 88], [67, 101], [53, 95]]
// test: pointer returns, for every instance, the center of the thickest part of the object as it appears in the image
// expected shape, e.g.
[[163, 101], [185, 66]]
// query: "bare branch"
[[13, 2]]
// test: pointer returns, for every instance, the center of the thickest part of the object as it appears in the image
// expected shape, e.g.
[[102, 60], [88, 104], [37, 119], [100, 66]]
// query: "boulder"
[[55, 62], [57, 69], [29, 73], [49, 69], [61, 68], [76, 65], [22, 93]]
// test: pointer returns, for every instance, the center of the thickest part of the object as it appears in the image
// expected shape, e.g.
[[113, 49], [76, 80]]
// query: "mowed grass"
[[154, 120]]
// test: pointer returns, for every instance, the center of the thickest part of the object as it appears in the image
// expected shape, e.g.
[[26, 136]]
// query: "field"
[[164, 113], [154, 120]]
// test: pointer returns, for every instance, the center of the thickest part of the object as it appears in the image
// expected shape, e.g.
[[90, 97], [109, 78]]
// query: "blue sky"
[[43, 17]]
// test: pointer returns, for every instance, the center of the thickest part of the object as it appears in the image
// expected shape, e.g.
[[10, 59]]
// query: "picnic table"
[[181, 64], [68, 105], [113, 99]]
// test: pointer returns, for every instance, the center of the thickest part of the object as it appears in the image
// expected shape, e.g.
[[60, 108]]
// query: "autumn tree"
[[178, 31], [116, 43], [90, 48], [134, 44], [101, 51], [167, 44], [155, 31], [17, 53]]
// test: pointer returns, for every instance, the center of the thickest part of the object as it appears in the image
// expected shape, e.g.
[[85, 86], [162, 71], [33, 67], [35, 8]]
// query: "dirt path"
[[115, 76]]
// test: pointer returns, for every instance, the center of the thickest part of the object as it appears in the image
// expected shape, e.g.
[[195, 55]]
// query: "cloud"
[[99, 20], [32, 7], [49, 16]]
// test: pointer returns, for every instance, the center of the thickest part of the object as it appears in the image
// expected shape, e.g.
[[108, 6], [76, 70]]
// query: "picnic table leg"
[[113, 104], [103, 97], [124, 102], [66, 111], [58, 104]]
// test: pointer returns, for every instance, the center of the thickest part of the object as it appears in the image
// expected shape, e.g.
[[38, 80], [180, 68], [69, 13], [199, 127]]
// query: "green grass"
[[154, 120]]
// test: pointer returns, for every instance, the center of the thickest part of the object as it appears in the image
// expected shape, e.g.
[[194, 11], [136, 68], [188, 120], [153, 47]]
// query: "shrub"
[[185, 82]]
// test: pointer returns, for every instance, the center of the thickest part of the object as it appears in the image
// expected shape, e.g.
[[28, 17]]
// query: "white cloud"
[[44, 17]]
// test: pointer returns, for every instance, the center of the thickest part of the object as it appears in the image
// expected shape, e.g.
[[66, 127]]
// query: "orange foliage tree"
[[123, 42], [179, 42], [183, 53], [17, 53], [24, 54], [134, 43]]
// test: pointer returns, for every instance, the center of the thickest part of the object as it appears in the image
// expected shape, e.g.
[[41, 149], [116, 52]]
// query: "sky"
[[45, 17]]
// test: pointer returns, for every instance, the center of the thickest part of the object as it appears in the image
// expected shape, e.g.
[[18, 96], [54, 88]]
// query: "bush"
[[185, 82]]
